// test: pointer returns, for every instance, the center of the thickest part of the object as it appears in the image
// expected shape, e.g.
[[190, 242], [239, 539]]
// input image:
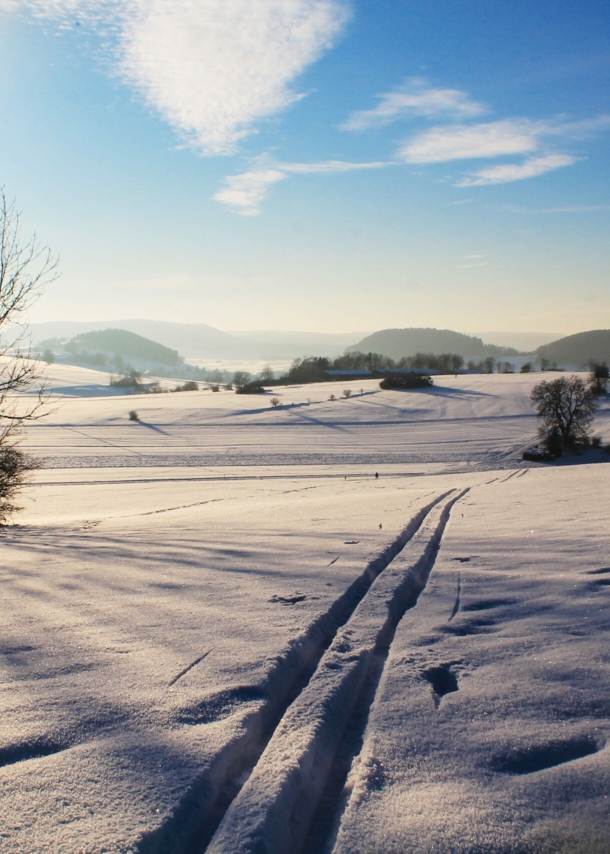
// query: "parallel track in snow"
[[210, 801], [291, 796], [277, 810]]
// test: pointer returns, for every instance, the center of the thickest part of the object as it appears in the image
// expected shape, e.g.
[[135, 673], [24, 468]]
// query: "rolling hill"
[[579, 349], [128, 345], [397, 343]]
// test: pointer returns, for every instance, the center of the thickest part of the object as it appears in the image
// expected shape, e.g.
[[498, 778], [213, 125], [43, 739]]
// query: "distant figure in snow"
[[376, 475], [380, 526]]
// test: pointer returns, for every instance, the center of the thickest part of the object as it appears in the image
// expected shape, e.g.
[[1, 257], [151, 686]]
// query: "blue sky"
[[314, 164]]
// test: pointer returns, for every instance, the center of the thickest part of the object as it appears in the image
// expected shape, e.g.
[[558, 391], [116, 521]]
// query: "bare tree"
[[26, 267], [241, 378], [566, 408], [267, 375]]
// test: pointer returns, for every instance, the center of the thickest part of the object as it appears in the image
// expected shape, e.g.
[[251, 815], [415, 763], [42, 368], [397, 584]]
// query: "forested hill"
[[578, 350], [128, 345], [397, 343]]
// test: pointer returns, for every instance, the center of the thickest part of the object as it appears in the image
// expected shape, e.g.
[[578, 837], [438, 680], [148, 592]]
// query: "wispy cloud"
[[464, 142], [507, 172], [470, 261], [245, 192], [413, 98], [212, 69], [333, 166], [567, 209]]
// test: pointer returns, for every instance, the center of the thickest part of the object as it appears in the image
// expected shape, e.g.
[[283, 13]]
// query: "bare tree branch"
[[26, 268]]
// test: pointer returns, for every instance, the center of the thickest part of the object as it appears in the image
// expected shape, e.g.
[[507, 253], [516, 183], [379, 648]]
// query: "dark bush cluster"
[[254, 387], [412, 380], [313, 369]]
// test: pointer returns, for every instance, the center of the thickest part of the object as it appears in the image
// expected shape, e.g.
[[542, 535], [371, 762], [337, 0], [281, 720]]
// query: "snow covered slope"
[[465, 420], [214, 635]]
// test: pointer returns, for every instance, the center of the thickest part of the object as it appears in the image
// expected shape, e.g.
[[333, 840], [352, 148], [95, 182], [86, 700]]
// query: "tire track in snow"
[[195, 819], [276, 811]]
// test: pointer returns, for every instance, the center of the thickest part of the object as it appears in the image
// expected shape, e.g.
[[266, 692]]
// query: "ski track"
[[202, 809], [291, 797]]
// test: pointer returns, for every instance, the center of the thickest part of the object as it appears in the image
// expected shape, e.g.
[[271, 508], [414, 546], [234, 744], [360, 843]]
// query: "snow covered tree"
[[25, 269], [565, 407]]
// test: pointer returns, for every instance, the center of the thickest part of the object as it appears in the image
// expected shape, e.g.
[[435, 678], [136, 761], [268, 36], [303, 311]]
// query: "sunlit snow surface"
[[212, 637]]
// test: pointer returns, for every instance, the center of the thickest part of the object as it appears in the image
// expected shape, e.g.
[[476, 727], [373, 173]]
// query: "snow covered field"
[[220, 632]]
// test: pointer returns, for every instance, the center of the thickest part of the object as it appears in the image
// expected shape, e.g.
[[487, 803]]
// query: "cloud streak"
[[567, 209], [467, 142], [414, 99], [212, 69], [508, 172], [245, 192]]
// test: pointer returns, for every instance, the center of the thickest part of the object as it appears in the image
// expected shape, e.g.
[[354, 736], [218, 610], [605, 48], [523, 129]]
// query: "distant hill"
[[194, 340], [578, 350], [200, 341], [524, 341], [397, 343], [128, 345]]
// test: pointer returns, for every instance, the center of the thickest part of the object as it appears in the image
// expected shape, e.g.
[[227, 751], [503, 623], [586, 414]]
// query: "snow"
[[197, 649]]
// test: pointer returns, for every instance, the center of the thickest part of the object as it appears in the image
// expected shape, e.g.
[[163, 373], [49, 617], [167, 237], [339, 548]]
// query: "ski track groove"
[[193, 822], [276, 810]]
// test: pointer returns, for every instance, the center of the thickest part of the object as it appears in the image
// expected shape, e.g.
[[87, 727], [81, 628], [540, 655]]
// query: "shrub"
[[332, 397], [526, 368], [275, 402], [133, 415], [125, 382], [596, 441], [552, 443], [15, 467], [255, 387], [598, 378], [215, 388], [347, 392], [411, 380], [190, 385]]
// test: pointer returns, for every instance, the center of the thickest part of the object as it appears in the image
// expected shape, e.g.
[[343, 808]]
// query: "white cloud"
[[332, 166], [507, 172], [245, 192], [462, 142], [212, 69], [413, 99]]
